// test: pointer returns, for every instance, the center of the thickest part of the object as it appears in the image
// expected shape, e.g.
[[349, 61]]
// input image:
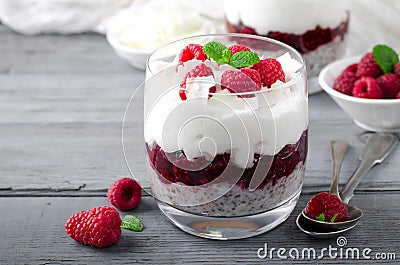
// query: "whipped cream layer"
[[287, 16], [202, 126]]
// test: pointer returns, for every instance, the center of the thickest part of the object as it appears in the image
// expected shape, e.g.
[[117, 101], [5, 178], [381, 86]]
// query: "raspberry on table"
[[368, 67], [345, 82], [125, 193], [390, 85], [367, 87], [398, 96], [270, 71], [190, 52], [98, 227], [200, 70], [328, 204], [239, 82], [238, 48]]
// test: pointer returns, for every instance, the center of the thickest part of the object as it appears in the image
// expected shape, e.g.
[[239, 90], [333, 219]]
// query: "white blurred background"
[[372, 21]]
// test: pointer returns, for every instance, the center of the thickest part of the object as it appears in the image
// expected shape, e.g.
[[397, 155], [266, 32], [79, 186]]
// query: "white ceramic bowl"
[[378, 115], [136, 58], [138, 30]]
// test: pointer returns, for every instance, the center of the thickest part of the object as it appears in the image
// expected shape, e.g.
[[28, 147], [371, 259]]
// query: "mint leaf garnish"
[[385, 57], [222, 55], [244, 59], [333, 218], [132, 223], [321, 217], [217, 51]]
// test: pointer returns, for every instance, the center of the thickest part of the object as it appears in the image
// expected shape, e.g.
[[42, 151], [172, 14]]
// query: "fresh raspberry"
[[397, 70], [398, 95], [238, 82], [200, 70], [253, 74], [99, 227], [238, 48], [351, 68], [125, 193], [328, 204], [367, 87], [345, 82], [270, 71], [389, 84], [368, 67], [190, 52]]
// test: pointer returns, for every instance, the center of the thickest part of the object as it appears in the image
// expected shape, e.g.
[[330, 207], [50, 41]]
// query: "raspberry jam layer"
[[175, 167], [304, 43]]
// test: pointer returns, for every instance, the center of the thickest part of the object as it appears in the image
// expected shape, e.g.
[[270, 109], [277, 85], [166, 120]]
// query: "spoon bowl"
[[309, 229], [354, 216]]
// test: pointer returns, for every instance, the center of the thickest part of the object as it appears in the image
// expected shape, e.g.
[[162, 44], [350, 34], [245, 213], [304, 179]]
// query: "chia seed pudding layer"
[[323, 55], [211, 191], [237, 201]]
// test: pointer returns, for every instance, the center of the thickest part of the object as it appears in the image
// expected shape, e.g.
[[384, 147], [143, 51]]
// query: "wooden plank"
[[62, 98], [58, 53], [75, 116], [34, 227], [90, 154]]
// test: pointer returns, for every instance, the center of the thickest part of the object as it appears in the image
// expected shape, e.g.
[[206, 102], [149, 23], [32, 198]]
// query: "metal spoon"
[[338, 151], [378, 147]]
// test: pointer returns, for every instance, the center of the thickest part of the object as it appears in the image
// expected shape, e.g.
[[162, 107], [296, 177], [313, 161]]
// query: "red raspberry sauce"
[[283, 164], [304, 43]]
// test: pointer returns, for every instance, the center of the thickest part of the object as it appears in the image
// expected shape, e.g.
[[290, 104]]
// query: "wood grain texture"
[[74, 105], [62, 101], [35, 229], [91, 154]]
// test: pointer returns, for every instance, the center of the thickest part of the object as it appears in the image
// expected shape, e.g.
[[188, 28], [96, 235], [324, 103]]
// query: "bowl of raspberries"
[[367, 88]]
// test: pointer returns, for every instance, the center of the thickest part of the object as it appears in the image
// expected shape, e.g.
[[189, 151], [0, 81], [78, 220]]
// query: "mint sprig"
[[218, 52], [334, 218], [132, 223], [385, 57], [320, 217], [222, 55]]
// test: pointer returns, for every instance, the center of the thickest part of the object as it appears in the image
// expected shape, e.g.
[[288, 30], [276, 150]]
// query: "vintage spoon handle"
[[377, 148], [338, 151]]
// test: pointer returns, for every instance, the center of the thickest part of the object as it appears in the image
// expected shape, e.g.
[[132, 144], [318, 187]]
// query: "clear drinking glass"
[[225, 165], [315, 28]]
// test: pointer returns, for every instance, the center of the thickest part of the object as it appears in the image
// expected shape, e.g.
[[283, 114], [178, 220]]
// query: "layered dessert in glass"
[[226, 120], [315, 28]]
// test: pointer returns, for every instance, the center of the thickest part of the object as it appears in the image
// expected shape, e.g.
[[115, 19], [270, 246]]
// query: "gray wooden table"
[[62, 99]]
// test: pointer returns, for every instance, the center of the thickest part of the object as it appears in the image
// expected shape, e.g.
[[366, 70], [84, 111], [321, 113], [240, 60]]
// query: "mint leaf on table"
[[132, 223], [217, 51], [333, 218], [385, 57], [244, 59], [320, 217]]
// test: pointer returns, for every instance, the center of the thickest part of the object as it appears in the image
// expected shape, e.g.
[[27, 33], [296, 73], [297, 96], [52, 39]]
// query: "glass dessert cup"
[[225, 165], [316, 29]]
